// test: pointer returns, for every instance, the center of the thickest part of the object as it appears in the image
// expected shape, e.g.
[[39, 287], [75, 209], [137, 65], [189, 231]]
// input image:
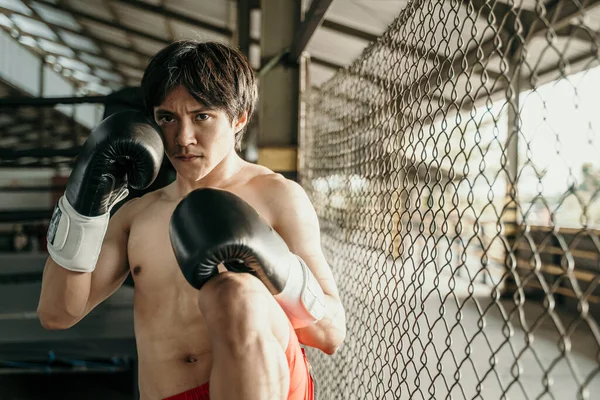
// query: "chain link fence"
[[455, 168]]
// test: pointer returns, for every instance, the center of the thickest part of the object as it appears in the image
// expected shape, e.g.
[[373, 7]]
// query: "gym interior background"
[[451, 149]]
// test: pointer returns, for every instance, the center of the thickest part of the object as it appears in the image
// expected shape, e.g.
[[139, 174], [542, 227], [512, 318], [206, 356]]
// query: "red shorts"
[[301, 382]]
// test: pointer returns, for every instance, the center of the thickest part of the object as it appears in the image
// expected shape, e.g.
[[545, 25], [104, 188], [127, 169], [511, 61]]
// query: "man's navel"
[[190, 359]]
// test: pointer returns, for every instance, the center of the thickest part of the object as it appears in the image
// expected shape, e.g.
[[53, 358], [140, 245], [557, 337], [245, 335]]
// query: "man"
[[228, 334]]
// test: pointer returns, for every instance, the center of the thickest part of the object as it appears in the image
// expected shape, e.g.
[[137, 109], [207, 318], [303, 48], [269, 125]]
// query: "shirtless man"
[[230, 334]]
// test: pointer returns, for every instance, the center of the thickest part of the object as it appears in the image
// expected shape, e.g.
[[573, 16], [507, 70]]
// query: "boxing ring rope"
[[455, 170]]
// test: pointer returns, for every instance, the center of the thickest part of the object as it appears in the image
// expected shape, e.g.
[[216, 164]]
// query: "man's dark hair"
[[216, 75]]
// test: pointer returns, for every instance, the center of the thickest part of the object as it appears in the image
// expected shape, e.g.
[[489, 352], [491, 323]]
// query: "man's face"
[[196, 138]]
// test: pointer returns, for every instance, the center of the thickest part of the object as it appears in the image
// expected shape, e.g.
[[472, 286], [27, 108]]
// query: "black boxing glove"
[[210, 227], [124, 149]]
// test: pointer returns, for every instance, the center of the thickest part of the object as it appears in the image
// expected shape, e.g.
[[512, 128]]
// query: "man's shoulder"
[[132, 207], [276, 186], [282, 197], [149, 198]]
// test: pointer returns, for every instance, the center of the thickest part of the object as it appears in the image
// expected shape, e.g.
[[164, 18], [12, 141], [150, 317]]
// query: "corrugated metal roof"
[[101, 45], [148, 47], [182, 30], [33, 27], [95, 60], [107, 75], [55, 48], [55, 16], [79, 42], [320, 75], [73, 64], [106, 33], [140, 20], [5, 21], [123, 56], [335, 46], [216, 12], [128, 32], [370, 16], [15, 5], [591, 19], [96, 8], [85, 77], [134, 73]]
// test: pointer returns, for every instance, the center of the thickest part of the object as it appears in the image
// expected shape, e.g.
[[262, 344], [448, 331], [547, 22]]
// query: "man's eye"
[[166, 119], [202, 117]]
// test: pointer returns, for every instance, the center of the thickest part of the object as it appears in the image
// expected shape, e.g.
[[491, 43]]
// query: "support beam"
[[27, 189], [169, 24], [509, 215], [36, 165], [579, 32], [25, 215], [243, 27], [17, 120], [420, 52], [15, 102], [11, 154], [346, 30], [244, 41], [324, 63], [576, 64], [313, 18], [279, 119], [425, 83]]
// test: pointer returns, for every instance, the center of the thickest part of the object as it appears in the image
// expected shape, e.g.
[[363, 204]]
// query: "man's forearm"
[[328, 334], [63, 297]]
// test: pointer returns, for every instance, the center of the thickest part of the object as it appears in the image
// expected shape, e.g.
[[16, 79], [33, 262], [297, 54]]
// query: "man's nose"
[[185, 135]]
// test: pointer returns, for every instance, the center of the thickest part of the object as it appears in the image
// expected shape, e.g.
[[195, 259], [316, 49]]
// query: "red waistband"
[[197, 393]]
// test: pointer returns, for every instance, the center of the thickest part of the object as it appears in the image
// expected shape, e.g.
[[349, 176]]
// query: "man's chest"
[[149, 251], [150, 254]]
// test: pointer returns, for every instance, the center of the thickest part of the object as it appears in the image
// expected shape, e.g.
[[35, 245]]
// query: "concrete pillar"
[[510, 215], [243, 42], [279, 88], [243, 26]]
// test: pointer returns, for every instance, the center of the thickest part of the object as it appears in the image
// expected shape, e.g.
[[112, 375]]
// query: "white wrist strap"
[[302, 299], [74, 240]]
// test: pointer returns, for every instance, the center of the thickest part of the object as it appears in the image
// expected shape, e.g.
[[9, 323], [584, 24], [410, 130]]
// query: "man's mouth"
[[188, 157]]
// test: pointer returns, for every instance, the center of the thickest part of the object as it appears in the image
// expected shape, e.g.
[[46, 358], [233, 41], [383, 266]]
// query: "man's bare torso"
[[173, 348]]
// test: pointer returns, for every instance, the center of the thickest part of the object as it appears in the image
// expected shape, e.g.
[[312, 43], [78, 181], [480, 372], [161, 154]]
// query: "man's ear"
[[240, 122]]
